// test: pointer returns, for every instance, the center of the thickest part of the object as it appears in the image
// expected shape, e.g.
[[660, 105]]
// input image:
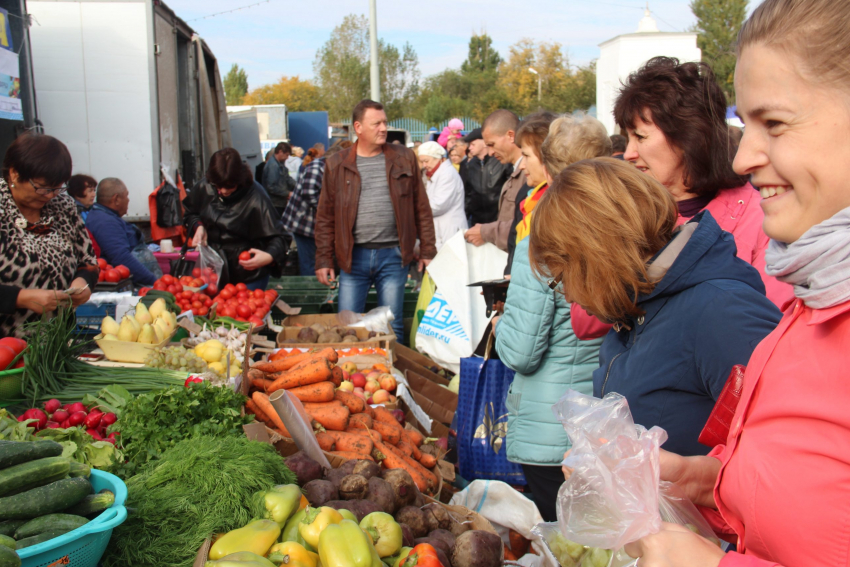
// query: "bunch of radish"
[[56, 416]]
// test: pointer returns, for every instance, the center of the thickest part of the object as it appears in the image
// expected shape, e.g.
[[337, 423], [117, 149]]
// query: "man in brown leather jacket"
[[372, 209]]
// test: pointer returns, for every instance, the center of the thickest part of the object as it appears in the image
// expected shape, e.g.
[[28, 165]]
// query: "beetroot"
[[399, 416]]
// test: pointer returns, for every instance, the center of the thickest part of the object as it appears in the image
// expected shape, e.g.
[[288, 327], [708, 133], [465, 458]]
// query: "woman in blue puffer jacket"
[[534, 337]]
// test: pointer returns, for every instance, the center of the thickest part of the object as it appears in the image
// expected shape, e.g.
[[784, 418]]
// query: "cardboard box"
[[386, 342], [437, 428], [403, 362], [440, 395]]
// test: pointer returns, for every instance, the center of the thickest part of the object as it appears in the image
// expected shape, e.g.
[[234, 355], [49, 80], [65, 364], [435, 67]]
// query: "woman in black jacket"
[[231, 213]]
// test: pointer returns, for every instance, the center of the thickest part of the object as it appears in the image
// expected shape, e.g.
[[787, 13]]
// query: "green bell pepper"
[[241, 559], [346, 545], [257, 537], [385, 533], [281, 502], [402, 555], [347, 514]]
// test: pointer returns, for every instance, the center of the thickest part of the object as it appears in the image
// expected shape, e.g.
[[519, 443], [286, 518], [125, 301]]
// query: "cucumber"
[[18, 476], [31, 485], [93, 504], [8, 557], [17, 452], [55, 497], [8, 527], [79, 469], [40, 538], [7, 541], [50, 522]]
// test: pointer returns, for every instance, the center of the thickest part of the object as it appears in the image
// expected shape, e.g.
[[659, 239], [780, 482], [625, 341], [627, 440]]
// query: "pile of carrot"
[[346, 425]]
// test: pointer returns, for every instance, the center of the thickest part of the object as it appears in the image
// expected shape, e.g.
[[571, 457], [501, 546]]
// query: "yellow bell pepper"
[[281, 502], [397, 560], [384, 532], [257, 537], [315, 522], [241, 559], [346, 545], [293, 554], [347, 514]]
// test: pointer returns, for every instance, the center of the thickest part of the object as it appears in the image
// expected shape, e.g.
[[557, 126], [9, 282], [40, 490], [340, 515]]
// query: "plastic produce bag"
[[208, 258], [569, 553], [378, 320], [614, 496]]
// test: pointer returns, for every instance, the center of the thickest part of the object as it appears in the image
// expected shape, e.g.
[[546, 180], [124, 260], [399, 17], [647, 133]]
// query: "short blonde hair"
[[573, 138], [595, 229], [813, 30], [297, 151]]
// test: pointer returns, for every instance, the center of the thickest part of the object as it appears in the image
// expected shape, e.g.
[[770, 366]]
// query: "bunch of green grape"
[[176, 358], [572, 554]]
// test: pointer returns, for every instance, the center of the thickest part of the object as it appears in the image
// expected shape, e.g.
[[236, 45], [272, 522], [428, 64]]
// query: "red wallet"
[[716, 429]]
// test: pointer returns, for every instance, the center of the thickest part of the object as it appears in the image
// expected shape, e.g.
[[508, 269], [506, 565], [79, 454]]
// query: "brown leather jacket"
[[338, 202]]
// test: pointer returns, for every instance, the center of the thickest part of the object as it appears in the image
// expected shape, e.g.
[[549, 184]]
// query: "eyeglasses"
[[49, 190]]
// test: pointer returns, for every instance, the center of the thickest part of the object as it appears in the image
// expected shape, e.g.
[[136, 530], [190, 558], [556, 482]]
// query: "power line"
[[229, 11]]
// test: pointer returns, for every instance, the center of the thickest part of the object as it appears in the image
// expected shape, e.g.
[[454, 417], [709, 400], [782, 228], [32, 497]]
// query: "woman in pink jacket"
[[780, 487]]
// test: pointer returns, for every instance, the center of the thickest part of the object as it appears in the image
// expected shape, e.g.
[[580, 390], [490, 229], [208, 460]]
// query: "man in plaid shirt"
[[299, 218]]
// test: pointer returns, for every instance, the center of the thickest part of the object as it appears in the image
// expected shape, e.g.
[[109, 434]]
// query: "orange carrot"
[[336, 376], [429, 476], [258, 413], [326, 442], [389, 433], [427, 461], [351, 442], [414, 437], [371, 411], [327, 353], [262, 384], [368, 433], [353, 456], [383, 414], [281, 364], [409, 448], [361, 420], [262, 401], [304, 373], [318, 392], [322, 405], [355, 404], [392, 460], [331, 417]]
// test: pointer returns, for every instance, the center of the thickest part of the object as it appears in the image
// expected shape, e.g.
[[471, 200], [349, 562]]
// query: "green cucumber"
[[8, 527], [79, 469], [50, 522], [93, 504], [7, 541], [17, 452], [8, 557], [21, 475], [55, 497], [40, 538], [36, 484]]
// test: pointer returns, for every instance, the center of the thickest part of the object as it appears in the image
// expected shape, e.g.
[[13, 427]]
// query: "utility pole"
[[374, 75], [539, 82]]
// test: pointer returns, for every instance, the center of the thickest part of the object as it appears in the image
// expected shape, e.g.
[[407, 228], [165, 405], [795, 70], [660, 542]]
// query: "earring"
[[13, 185]]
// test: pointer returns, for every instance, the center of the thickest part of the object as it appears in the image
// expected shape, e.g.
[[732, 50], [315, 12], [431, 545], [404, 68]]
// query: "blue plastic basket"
[[84, 546], [90, 316]]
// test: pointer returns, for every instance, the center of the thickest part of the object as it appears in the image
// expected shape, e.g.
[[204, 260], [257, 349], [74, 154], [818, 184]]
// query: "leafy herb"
[[110, 399], [199, 487], [153, 423]]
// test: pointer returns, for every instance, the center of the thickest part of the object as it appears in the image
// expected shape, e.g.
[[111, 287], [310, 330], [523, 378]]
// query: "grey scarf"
[[817, 264]]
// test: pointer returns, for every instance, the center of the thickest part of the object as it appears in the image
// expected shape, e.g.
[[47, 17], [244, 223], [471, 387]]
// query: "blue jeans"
[[383, 268], [258, 284], [306, 254]]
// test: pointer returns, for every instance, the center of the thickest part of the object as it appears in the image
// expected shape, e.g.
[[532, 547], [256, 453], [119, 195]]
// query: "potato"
[[402, 485], [415, 518], [329, 337], [318, 328], [407, 535], [350, 339], [348, 332], [381, 493], [308, 335], [444, 535], [305, 468], [367, 469], [320, 491], [477, 548], [353, 487], [435, 543]]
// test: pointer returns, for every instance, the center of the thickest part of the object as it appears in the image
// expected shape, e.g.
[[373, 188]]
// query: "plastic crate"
[[124, 285], [90, 316], [84, 546], [10, 387]]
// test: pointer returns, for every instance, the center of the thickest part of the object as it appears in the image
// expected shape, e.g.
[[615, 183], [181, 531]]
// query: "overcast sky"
[[281, 37]]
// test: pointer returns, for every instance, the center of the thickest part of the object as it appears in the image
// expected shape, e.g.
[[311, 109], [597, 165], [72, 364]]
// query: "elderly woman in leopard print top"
[[46, 257]]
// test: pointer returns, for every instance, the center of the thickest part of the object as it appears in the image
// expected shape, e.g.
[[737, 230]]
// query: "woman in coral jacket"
[[780, 486]]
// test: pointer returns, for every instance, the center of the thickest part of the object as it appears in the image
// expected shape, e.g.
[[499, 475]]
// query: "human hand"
[[258, 259], [423, 263], [675, 546], [81, 296], [696, 476], [43, 300], [200, 236], [473, 236], [325, 276]]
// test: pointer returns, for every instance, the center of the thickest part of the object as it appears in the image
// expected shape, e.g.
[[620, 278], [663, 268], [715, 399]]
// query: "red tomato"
[[196, 311], [226, 293], [175, 289], [272, 292], [203, 311], [251, 303], [242, 296], [101, 263], [269, 300], [109, 267], [212, 277], [208, 301], [167, 279], [197, 304], [257, 322], [6, 357], [228, 311], [230, 287], [124, 271], [197, 282], [259, 294], [113, 276], [186, 280], [244, 311], [245, 256], [212, 289], [160, 286], [196, 272], [17, 345], [241, 287], [101, 277], [186, 294], [261, 311], [144, 291]]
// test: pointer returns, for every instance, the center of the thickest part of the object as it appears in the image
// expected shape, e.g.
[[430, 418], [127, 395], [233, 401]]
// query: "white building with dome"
[[626, 53]]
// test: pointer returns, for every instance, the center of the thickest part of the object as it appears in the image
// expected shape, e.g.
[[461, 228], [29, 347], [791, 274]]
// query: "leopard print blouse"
[[45, 257]]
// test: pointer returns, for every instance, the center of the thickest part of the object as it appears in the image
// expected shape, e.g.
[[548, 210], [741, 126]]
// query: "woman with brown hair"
[[83, 189], [232, 213], [686, 309]]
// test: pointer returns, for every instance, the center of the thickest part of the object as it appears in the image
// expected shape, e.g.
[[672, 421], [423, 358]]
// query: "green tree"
[[235, 85], [297, 95], [482, 56], [341, 69], [718, 22]]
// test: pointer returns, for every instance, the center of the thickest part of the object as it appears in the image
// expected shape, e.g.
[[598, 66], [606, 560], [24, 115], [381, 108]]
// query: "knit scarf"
[[526, 207], [817, 264], [430, 172]]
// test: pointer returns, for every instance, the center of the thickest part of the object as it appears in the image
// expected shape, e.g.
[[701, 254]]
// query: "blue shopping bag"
[[482, 421]]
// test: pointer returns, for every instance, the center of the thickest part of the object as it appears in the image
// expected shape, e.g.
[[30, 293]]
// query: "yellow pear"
[[109, 326], [126, 331], [132, 321], [157, 308], [109, 336], [143, 316], [147, 336], [162, 329]]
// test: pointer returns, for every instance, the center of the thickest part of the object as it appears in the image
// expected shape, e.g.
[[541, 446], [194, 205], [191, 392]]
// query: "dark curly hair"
[[685, 102], [227, 170]]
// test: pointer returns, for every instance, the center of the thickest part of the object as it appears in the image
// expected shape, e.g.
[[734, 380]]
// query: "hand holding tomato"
[[255, 259]]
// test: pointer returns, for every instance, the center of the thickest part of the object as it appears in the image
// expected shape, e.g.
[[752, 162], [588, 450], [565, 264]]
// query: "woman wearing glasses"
[[233, 214], [46, 257]]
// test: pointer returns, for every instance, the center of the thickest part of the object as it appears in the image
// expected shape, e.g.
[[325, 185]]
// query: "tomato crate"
[[124, 285]]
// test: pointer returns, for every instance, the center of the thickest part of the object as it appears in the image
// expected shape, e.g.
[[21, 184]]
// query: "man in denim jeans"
[[372, 209]]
